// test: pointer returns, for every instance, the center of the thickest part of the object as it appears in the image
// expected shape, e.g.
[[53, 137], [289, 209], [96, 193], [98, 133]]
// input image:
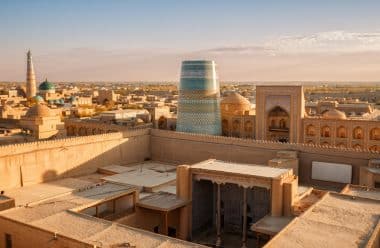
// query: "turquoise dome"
[[38, 98], [46, 85]]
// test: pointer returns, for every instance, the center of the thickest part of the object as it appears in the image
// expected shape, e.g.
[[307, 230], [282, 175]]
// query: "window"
[[325, 131], [341, 132], [8, 240], [248, 127], [310, 130], [172, 232], [225, 127], [377, 185], [375, 134], [358, 133], [236, 125]]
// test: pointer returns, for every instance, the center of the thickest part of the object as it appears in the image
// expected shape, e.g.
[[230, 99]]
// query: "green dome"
[[38, 98], [46, 85]]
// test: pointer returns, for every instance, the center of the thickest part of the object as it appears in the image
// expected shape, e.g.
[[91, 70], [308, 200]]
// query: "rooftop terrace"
[[336, 220]]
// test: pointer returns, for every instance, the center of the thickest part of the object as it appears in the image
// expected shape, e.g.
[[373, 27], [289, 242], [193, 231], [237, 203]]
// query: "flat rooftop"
[[337, 220], [57, 214], [149, 165], [362, 191], [271, 225], [146, 179], [162, 201], [44, 191], [36, 211], [245, 170]]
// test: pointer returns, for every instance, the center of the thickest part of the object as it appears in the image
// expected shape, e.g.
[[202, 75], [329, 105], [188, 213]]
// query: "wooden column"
[[184, 185], [134, 198], [164, 223], [244, 238], [276, 197], [218, 218]]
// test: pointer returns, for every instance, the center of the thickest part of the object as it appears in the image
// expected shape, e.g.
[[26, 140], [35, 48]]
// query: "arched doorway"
[[225, 127], [278, 124], [236, 128], [162, 122]]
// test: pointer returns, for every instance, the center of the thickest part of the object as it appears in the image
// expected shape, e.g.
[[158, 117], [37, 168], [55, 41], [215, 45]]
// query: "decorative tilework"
[[199, 99]]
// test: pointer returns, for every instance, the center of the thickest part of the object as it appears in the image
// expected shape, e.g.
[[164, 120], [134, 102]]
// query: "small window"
[[172, 232], [377, 185], [8, 240]]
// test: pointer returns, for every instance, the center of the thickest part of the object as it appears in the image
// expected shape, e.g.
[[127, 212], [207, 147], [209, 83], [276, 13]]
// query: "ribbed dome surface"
[[334, 114], [39, 110], [235, 103]]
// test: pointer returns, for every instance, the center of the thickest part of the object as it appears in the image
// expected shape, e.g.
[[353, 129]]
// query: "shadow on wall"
[[71, 157], [49, 175]]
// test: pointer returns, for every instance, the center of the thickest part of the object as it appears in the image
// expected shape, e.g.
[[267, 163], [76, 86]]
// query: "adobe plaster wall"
[[31, 163], [186, 148], [24, 235]]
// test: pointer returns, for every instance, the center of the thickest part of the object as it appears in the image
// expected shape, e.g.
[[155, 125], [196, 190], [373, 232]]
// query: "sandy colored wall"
[[30, 163], [6, 203], [24, 235], [148, 219], [188, 148]]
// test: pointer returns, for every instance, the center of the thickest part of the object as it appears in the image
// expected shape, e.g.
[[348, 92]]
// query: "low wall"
[[35, 162], [187, 148], [23, 235]]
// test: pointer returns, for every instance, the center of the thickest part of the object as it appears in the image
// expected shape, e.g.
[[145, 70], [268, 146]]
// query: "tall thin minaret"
[[30, 77]]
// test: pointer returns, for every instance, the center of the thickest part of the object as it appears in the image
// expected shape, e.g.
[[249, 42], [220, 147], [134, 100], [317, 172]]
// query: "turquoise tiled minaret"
[[199, 98]]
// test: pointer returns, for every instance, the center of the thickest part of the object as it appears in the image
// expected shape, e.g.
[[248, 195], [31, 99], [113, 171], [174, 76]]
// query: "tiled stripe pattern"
[[199, 98]]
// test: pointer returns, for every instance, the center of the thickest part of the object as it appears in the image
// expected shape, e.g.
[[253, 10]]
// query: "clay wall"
[[35, 162], [149, 219], [6, 203], [75, 127], [23, 235], [187, 148]]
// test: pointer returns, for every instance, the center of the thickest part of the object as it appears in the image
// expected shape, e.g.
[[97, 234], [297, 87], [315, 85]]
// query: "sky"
[[146, 40]]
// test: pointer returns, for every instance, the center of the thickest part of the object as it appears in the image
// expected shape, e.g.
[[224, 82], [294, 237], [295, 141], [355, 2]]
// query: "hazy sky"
[[138, 40]]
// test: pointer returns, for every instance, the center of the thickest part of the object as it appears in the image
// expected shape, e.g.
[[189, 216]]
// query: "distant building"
[[42, 123], [105, 96], [124, 115], [281, 116], [48, 91], [238, 118], [350, 108]]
